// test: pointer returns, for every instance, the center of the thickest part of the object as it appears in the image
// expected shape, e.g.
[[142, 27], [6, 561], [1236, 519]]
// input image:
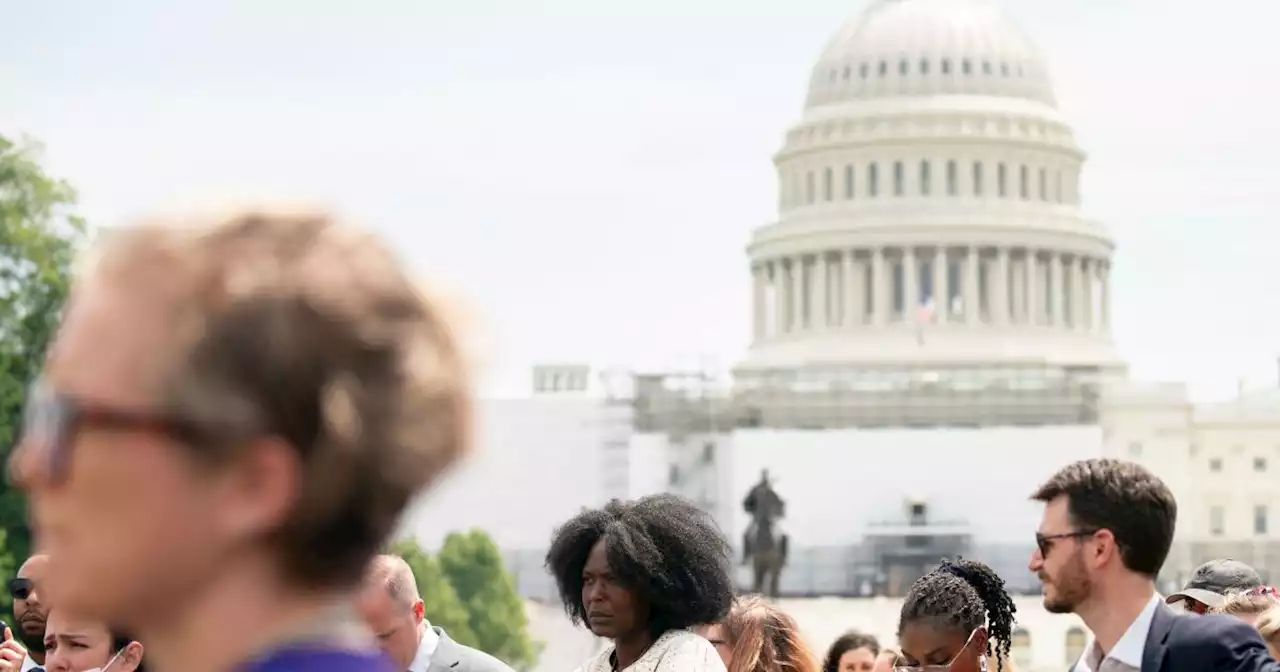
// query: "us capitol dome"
[[929, 263]]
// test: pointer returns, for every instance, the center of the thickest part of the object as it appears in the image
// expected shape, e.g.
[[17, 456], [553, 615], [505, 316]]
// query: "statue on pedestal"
[[764, 546]]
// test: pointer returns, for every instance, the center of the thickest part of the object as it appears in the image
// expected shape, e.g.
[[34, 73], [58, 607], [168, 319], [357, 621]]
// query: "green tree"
[[474, 566], [442, 606], [39, 236]]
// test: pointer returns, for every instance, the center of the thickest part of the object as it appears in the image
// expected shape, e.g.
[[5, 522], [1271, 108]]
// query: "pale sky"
[[585, 174]]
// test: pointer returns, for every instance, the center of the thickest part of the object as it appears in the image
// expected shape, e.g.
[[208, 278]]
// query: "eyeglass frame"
[[52, 421], [937, 668]]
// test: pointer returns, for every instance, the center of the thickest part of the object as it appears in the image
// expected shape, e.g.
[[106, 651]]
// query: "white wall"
[[837, 481], [537, 463]]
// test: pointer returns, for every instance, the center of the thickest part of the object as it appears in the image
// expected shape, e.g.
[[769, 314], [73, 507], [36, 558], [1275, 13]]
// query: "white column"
[[971, 313], [850, 287], [758, 272], [778, 278], [1034, 306], [879, 288], [941, 292], [1105, 270], [818, 319], [1000, 288], [1091, 312], [798, 293], [910, 286], [1081, 303], [1018, 297], [1055, 283]]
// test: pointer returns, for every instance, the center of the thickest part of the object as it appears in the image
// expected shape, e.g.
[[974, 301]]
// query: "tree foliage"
[[474, 566], [442, 606], [39, 236]]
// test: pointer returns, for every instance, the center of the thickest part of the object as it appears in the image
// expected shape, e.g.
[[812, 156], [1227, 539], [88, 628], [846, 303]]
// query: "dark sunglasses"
[[20, 589], [1044, 542], [51, 420]]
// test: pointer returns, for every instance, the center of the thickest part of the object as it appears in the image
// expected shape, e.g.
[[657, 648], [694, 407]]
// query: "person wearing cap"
[[1212, 582]]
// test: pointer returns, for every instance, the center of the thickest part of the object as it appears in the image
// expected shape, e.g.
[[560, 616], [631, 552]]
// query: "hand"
[[12, 654]]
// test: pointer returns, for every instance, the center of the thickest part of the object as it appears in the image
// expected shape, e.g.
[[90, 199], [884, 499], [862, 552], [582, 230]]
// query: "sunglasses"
[[51, 421], [1192, 606], [20, 589], [1264, 591], [1044, 542]]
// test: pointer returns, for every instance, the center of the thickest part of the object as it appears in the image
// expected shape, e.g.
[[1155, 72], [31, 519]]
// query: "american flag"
[[924, 315]]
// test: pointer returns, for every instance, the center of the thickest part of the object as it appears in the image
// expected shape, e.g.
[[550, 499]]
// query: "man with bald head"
[[390, 603], [23, 646]]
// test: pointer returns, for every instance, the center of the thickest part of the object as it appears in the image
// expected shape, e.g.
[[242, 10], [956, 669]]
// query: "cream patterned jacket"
[[675, 651]]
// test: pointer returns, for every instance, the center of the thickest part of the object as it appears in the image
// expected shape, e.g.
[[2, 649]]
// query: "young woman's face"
[[932, 649], [718, 635], [74, 645]]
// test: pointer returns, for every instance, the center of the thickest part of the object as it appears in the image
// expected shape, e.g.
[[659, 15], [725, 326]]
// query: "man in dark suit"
[[1105, 533], [391, 605]]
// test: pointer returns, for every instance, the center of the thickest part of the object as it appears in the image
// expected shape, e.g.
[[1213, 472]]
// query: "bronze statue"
[[763, 546]]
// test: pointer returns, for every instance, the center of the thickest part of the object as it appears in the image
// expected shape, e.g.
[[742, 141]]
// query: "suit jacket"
[[1179, 642], [452, 656]]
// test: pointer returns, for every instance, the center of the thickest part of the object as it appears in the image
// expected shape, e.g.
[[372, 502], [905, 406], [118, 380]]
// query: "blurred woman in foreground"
[[75, 645], [758, 637]]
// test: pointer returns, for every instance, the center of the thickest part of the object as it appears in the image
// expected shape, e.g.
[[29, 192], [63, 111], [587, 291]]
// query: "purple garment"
[[318, 659]]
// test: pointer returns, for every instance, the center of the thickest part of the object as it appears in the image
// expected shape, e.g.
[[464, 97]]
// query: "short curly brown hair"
[[293, 326]]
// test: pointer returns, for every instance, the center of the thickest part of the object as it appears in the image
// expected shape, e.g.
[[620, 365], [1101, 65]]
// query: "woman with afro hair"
[[643, 574], [950, 618]]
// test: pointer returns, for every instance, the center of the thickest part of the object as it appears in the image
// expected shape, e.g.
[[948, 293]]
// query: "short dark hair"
[[964, 595], [849, 641], [1125, 498], [662, 547]]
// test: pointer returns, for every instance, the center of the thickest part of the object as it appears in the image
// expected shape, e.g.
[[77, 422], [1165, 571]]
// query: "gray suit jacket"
[[451, 656]]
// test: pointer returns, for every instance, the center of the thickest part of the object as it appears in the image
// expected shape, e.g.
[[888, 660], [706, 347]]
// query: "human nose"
[[1036, 562]]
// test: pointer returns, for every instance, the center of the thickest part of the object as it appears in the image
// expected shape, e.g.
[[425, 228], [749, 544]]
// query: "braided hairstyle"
[[964, 595]]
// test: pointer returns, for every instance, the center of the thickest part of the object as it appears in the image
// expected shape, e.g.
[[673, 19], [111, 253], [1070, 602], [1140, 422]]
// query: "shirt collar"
[[1130, 647], [29, 664], [426, 649]]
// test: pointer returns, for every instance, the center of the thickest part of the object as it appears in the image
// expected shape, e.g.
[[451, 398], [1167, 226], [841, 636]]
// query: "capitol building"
[[931, 338]]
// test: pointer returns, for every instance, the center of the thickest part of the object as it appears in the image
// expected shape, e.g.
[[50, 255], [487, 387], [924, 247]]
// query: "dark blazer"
[[1179, 642], [451, 655]]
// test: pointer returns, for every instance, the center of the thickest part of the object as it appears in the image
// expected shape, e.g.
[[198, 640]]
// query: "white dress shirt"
[[426, 648], [29, 664], [1126, 655]]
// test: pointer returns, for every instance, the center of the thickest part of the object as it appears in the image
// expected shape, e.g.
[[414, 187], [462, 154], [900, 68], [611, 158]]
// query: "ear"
[[1102, 549], [981, 640], [131, 657], [261, 487], [419, 612]]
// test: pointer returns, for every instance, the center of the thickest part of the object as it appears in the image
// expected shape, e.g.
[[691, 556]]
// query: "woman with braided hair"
[[950, 617]]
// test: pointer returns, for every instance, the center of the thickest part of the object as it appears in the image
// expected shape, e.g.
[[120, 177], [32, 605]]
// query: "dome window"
[[1001, 181], [946, 66], [846, 73], [899, 179], [873, 180], [966, 67], [924, 66], [884, 68], [862, 70], [986, 67], [903, 68], [1004, 69]]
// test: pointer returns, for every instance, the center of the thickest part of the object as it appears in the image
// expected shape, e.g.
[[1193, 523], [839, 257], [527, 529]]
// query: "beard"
[[34, 641], [1071, 587]]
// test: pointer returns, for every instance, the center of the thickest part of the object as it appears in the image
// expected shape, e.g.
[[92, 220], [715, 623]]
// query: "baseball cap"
[[1211, 582]]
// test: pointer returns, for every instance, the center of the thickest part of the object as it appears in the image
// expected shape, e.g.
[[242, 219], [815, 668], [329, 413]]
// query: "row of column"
[[877, 286]]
